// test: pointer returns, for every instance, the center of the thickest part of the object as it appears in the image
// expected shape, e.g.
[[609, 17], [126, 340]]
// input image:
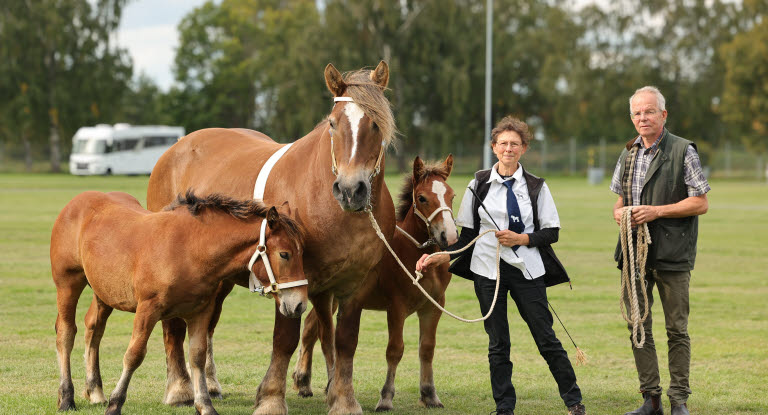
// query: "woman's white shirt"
[[528, 259]]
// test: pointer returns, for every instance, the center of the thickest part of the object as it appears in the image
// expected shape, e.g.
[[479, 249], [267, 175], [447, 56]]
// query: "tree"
[[745, 96], [61, 53]]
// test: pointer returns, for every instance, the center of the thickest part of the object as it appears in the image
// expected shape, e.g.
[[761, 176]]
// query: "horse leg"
[[429, 316], [395, 346], [214, 387], [317, 324], [341, 393], [178, 385], [198, 328], [143, 323], [270, 397], [69, 286], [95, 322], [302, 374]]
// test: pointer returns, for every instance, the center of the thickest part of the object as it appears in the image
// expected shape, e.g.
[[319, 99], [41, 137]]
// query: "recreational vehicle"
[[120, 149]]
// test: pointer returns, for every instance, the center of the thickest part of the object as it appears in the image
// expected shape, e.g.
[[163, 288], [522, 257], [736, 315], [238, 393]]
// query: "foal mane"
[[370, 97], [239, 209], [406, 192]]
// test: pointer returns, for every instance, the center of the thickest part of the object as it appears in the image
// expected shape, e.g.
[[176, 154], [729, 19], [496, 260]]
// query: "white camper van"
[[120, 149]]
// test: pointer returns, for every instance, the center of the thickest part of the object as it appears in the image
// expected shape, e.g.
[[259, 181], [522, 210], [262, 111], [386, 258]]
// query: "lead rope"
[[416, 279], [632, 273]]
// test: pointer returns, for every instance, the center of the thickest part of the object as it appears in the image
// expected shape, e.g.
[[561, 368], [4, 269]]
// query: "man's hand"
[[510, 238], [424, 262], [644, 214]]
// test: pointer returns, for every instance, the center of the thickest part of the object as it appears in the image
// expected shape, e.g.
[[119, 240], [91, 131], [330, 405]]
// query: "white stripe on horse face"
[[440, 190], [354, 115]]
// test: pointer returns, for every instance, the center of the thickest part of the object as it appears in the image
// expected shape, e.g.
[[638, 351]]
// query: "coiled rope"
[[632, 274]]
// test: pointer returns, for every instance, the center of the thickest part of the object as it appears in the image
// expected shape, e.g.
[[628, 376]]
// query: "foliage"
[[57, 64]]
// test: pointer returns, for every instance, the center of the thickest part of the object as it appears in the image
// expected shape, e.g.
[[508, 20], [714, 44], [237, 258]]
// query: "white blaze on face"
[[440, 190], [354, 115]]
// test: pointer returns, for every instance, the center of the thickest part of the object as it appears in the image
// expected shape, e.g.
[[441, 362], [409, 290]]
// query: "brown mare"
[[160, 266], [393, 291], [329, 177]]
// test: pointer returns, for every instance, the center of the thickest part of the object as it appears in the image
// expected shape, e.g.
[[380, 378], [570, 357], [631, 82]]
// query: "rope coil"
[[632, 274]]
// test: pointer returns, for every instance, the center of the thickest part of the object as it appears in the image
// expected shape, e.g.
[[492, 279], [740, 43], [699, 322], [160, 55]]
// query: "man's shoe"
[[680, 410], [577, 409], [651, 406]]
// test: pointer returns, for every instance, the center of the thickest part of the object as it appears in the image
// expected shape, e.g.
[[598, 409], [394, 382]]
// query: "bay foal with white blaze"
[[162, 265], [329, 177], [425, 223]]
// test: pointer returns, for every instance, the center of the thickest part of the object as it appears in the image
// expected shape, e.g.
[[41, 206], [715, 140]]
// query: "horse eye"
[[422, 199], [375, 126], [284, 255]]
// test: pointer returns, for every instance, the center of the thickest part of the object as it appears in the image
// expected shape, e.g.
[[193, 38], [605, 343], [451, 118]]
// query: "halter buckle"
[[275, 287]]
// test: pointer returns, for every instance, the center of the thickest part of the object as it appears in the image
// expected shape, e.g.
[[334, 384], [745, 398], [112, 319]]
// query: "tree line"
[[258, 64]]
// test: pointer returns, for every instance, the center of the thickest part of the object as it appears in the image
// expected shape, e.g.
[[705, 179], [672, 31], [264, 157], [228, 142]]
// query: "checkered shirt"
[[695, 181]]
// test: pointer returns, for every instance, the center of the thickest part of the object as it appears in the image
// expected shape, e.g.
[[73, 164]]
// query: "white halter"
[[261, 251]]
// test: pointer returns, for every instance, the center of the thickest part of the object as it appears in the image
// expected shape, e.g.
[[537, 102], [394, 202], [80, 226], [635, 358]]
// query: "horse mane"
[[370, 97], [239, 209], [406, 192]]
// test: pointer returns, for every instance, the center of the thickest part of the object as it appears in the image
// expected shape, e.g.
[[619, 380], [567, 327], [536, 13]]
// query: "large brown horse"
[[330, 176], [423, 216], [160, 266]]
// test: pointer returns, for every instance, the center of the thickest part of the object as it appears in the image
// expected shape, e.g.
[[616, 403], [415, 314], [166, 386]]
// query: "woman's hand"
[[424, 262], [510, 238]]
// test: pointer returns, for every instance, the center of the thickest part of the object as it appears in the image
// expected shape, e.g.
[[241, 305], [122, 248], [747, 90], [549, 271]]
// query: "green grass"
[[728, 325]]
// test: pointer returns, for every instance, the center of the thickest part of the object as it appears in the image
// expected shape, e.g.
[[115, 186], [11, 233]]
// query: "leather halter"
[[334, 168], [428, 222], [261, 252]]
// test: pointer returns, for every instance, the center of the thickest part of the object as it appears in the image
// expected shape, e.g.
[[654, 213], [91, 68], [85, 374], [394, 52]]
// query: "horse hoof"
[[382, 407], [216, 395], [431, 403], [67, 405], [305, 393]]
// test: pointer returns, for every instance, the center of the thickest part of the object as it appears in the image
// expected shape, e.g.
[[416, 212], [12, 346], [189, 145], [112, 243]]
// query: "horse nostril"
[[443, 237], [336, 189], [361, 190]]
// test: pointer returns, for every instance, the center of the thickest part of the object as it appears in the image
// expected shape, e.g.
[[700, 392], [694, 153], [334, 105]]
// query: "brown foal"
[[162, 265]]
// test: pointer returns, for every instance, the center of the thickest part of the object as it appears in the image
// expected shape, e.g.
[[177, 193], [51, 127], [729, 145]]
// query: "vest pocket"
[[672, 242]]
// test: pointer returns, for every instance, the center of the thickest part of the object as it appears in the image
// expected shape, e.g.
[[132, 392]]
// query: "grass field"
[[728, 325]]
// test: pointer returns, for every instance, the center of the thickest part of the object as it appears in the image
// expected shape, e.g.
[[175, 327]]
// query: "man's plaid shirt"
[[694, 176]]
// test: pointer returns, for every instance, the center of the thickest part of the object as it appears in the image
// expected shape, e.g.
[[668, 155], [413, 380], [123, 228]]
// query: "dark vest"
[[673, 240], [554, 272]]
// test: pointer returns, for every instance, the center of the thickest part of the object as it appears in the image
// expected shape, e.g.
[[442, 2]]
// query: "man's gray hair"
[[660, 101]]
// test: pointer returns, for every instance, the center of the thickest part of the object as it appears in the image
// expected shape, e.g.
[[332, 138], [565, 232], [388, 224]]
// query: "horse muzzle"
[[352, 192], [293, 303]]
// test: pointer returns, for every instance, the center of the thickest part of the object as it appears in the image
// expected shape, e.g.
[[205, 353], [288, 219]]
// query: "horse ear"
[[272, 217], [380, 75], [448, 164], [334, 81], [418, 168], [285, 209]]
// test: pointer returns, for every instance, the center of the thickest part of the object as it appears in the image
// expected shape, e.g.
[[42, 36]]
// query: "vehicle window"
[[157, 141], [90, 147], [125, 145]]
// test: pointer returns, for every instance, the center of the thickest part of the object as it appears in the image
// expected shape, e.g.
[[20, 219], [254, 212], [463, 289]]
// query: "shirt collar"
[[654, 146], [495, 176]]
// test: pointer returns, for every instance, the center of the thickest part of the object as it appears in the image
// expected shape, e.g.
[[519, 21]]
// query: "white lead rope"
[[261, 252], [416, 280]]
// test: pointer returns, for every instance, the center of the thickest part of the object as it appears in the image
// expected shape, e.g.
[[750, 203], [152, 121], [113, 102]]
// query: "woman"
[[522, 206]]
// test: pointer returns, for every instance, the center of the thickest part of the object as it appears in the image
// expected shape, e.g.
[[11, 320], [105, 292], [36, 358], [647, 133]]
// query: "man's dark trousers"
[[530, 297]]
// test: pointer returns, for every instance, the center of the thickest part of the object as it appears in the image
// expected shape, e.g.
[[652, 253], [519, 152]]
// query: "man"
[[660, 176]]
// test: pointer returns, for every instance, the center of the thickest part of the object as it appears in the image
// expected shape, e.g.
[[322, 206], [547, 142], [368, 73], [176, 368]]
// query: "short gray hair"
[[660, 101]]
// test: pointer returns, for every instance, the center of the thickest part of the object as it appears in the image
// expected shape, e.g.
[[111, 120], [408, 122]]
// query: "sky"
[[148, 31]]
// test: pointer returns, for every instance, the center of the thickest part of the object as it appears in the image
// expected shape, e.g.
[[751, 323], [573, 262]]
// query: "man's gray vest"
[[673, 240]]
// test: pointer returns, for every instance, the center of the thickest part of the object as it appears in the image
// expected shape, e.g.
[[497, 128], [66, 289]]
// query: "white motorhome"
[[120, 149]]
